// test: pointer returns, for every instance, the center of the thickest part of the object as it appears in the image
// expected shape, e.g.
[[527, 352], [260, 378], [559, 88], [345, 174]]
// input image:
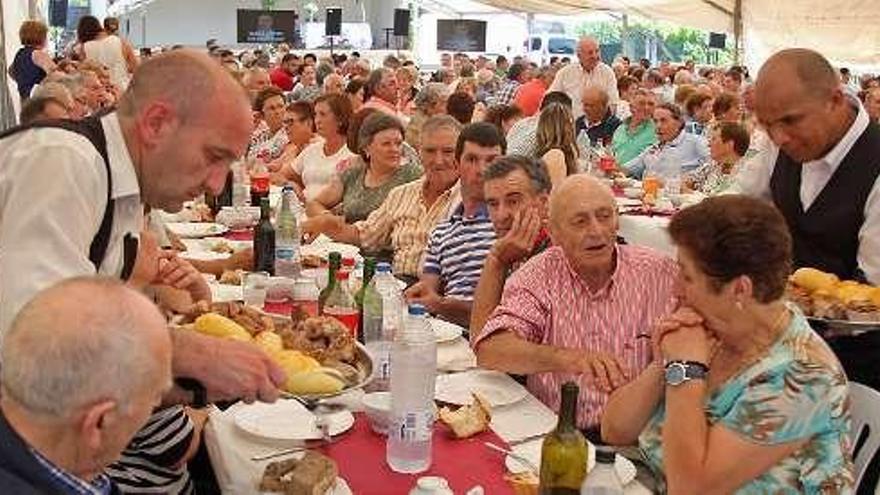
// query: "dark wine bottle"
[[334, 262], [564, 452], [264, 240]]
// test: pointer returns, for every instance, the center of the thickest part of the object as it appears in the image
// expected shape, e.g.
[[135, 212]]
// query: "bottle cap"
[[417, 310], [347, 261], [605, 455], [383, 267]]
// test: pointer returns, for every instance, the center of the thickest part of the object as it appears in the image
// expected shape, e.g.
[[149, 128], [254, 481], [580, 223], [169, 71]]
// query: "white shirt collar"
[[835, 157], [125, 180]]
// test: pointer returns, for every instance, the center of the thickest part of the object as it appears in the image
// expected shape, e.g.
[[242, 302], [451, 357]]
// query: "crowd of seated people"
[[471, 182]]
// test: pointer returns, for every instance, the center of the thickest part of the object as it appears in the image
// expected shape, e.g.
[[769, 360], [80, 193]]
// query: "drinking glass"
[[254, 285]]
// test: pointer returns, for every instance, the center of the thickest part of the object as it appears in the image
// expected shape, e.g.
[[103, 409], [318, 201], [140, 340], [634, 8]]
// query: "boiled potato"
[[270, 342], [293, 362], [221, 326], [313, 382]]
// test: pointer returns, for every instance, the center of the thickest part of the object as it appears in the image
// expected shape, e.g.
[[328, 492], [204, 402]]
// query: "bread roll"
[[812, 279]]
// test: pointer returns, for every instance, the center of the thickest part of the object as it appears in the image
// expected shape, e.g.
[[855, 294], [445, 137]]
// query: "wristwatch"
[[678, 372], [200, 395]]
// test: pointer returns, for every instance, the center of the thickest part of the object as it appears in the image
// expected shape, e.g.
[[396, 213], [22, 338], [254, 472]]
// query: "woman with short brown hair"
[[31, 62], [316, 166], [382, 165], [743, 396]]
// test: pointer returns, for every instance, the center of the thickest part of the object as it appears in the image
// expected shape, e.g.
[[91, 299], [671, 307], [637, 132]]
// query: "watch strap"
[[690, 370]]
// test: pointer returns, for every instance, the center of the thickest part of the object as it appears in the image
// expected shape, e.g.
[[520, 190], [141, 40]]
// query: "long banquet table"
[[360, 453]]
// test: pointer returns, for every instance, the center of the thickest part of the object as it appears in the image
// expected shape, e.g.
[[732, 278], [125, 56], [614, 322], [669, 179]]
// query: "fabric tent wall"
[[845, 32], [14, 12]]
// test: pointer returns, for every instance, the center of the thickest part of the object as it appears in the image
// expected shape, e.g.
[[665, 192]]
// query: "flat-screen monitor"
[[266, 26], [461, 35]]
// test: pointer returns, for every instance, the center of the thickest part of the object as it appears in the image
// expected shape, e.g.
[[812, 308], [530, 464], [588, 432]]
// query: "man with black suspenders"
[[72, 198]]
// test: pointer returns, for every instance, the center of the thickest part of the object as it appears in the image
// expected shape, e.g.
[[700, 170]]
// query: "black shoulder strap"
[[91, 129]]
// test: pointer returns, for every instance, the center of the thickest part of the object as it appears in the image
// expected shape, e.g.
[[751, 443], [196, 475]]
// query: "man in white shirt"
[[178, 127], [822, 167], [572, 78]]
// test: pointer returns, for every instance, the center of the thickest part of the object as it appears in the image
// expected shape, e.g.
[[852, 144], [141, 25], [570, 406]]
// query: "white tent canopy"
[[843, 31]]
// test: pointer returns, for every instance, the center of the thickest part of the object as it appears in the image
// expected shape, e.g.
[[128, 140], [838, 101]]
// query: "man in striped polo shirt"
[[457, 248]]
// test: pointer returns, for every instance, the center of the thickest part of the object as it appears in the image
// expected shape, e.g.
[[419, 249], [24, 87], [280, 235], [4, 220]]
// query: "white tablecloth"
[[647, 231]]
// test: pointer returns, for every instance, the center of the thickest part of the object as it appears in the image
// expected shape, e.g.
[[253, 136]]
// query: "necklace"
[[752, 357]]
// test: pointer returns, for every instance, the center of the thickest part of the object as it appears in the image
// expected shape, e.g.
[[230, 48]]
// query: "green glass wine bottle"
[[564, 452]]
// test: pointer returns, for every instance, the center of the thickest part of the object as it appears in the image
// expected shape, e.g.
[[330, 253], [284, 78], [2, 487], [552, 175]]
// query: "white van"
[[540, 47]]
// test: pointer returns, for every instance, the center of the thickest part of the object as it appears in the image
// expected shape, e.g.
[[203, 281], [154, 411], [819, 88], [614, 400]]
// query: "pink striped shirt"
[[546, 302]]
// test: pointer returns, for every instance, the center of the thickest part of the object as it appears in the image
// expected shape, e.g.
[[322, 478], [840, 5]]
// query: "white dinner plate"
[[628, 202], [203, 255], [626, 470], [210, 243], [496, 387], [323, 249], [225, 292], [195, 230], [445, 331], [288, 420]]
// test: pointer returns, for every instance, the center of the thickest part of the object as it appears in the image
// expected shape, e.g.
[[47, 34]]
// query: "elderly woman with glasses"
[[743, 396], [299, 125], [269, 138], [314, 168]]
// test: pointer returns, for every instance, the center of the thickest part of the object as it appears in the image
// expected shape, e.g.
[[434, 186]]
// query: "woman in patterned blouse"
[[727, 146], [771, 415]]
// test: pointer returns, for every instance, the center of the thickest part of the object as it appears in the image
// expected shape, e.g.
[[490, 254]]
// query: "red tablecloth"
[[360, 455], [241, 235]]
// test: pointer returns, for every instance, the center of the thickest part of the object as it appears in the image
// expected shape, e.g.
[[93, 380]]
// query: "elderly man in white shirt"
[[572, 78], [822, 167]]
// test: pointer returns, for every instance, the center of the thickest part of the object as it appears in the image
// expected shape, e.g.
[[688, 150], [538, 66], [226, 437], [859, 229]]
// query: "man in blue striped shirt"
[[457, 248]]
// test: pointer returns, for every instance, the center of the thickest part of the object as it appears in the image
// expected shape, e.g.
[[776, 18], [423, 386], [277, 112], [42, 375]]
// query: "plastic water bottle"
[[603, 479], [287, 253], [584, 145], [383, 316], [413, 370]]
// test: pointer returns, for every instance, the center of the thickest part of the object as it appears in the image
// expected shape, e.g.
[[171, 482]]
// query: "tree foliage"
[[675, 43]]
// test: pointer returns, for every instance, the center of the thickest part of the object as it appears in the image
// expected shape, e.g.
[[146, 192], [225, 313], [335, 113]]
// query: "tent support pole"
[[738, 32], [624, 36]]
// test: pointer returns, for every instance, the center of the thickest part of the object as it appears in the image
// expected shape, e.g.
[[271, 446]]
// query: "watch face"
[[675, 374]]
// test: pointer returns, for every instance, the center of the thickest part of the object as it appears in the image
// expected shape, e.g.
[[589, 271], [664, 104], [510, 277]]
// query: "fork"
[[513, 455]]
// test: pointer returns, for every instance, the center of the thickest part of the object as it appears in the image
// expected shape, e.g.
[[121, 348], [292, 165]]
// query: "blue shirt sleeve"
[[432, 255]]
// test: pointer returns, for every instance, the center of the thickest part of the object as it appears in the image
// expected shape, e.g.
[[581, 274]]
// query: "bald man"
[[578, 309], [598, 121], [72, 199], [591, 71], [63, 422], [821, 170], [823, 166]]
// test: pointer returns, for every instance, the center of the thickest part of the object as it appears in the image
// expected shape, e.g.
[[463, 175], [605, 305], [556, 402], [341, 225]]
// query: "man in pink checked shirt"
[[583, 309]]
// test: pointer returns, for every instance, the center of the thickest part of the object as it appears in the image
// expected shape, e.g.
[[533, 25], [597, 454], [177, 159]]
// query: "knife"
[[527, 439]]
